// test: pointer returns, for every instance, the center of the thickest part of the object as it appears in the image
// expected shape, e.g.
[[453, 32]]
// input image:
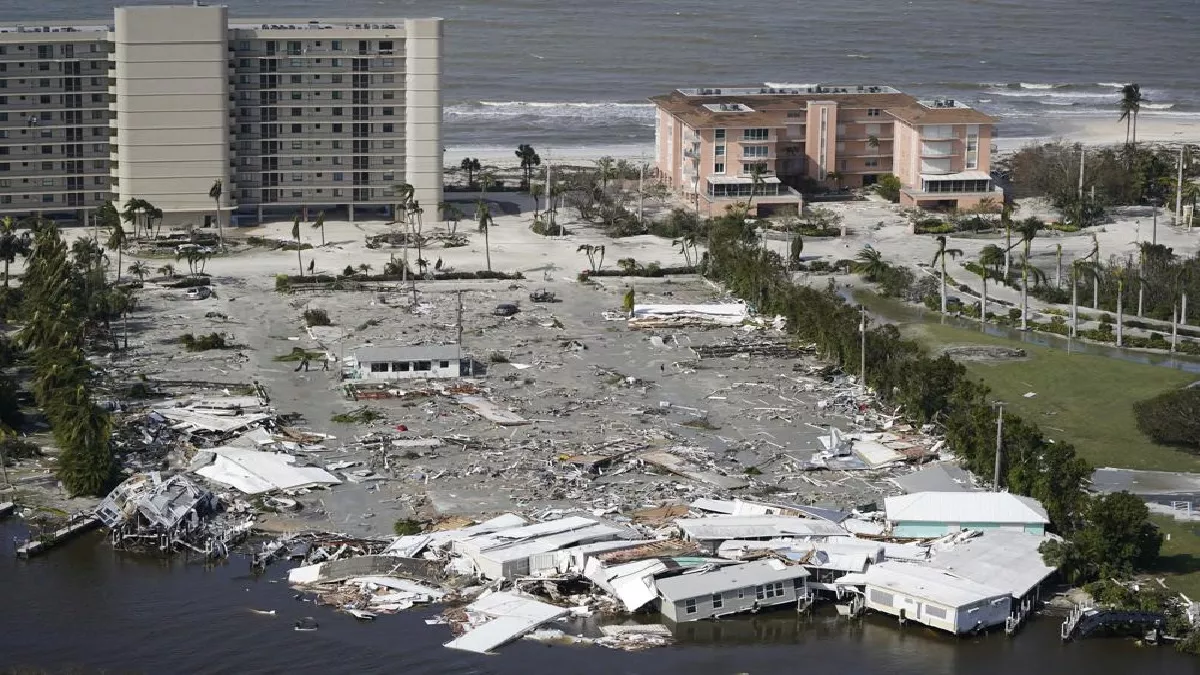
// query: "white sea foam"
[[1038, 85], [1116, 85], [1157, 106], [1043, 93], [588, 112]]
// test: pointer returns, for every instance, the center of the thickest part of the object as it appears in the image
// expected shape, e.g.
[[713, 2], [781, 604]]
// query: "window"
[[295, 96], [389, 176], [48, 166], [718, 601], [424, 365], [388, 161], [297, 112], [689, 606], [935, 612], [49, 199], [97, 114], [246, 129], [97, 98], [388, 63], [388, 78], [972, 155], [379, 367], [47, 149], [44, 99], [756, 134], [294, 79], [99, 147], [337, 112], [47, 182], [244, 63], [297, 63], [336, 63], [297, 128], [336, 95], [755, 151], [244, 45], [443, 364], [4, 166], [388, 95], [296, 194], [337, 192], [337, 160], [401, 366], [297, 145], [336, 146], [297, 161], [337, 129], [719, 150], [874, 112], [97, 180], [385, 46], [871, 162], [749, 167], [336, 45], [297, 177], [337, 176], [718, 134], [388, 145], [389, 128], [389, 111], [719, 167]]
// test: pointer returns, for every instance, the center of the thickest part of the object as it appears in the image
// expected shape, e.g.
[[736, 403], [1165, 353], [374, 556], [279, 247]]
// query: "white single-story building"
[[730, 590], [401, 363], [710, 532], [931, 596], [935, 514]]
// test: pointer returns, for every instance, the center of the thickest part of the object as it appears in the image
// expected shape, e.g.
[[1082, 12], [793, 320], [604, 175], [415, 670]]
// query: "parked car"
[[505, 309], [542, 295], [198, 293]]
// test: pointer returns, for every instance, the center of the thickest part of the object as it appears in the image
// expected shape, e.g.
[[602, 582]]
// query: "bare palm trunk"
[[1024, 296], [220, 229], [1007, 251], [1120, 314], [487, 248], [299, 260], [1074, 305], [943, 284], [1141, 296], [1183, 309], [983, 302], [1058, 271], [125, 329], [1095, 293]]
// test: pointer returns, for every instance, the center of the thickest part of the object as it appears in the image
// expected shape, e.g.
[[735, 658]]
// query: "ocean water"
[[572, 74]]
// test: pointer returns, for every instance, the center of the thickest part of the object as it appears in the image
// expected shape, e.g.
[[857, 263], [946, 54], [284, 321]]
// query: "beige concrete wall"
[[423, 110], [172, 107]]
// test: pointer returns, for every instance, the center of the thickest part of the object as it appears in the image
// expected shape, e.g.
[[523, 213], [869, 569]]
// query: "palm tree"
[[116, 242], [296, 236], [992, 256], [139, 269], [1006, 213], [1028, 229], [536, 191], [214, 193], [795, 250], [365, 268], [836, 177], [1130, 105], [529, 159], [595, 255], [941, 255], [470, 165], [484, 216], [687, 246], [167, 271], [869, 263], [1094, 256], [452, 214], [12, 245], [758, 173], [984, 261], [319, 224]]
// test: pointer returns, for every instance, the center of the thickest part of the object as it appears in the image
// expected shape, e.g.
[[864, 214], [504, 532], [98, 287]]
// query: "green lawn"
[[1179, 560], [1084, 399]]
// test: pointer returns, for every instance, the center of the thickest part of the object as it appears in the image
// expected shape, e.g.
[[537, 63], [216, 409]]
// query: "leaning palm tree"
[[1094, 257], [1006, 213], [167, 271], [941, 255], [214, 193], [319, 224], [1130, 105], [869, 263], [484, 216]]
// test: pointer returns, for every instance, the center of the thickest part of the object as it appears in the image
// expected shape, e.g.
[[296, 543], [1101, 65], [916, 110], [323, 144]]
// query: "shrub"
[[1172, 418], [888, 187], [316, 317], [18, 448], [204, 342], [406, 527], [283, 283]]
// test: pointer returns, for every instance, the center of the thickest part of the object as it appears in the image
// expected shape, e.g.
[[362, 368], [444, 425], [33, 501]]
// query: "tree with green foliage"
[[12, 244], [1028, 229], [529, 159], [319, 224], [470, 165], [296, 237], [795, 251], [869, 263], [214, 193], [595, 255], [1130, 106], [888, 186], [139, 269], [1114, 539], [1171, 418]]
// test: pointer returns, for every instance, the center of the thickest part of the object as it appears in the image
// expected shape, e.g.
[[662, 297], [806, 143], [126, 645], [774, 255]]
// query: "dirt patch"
[[978, 353]]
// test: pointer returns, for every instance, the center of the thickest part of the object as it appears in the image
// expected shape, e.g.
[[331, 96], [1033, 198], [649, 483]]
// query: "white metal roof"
[[927, 583], [742, 180], [551, 542], [375, 354], [964, 507], [1006, 560], [937, 477], [756, 527], [727, 579]]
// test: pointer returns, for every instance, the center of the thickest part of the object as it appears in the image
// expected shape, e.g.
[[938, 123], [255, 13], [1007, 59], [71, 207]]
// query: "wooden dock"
[[38, 546], [1083, 620]]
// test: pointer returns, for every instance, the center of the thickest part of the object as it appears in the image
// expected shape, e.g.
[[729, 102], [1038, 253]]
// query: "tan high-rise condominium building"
[[290, 115], [763, 145]]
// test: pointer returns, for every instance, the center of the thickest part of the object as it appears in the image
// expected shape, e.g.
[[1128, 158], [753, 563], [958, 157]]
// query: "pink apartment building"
[[709, 141]]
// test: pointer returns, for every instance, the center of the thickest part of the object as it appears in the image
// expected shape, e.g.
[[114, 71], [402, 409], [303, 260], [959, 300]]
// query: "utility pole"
[[1174, 326], [1082, 154], [458, 322], [549, 198], [862, 366], [641, 185], [999, 447], [1154, 227], [1179, 188]]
